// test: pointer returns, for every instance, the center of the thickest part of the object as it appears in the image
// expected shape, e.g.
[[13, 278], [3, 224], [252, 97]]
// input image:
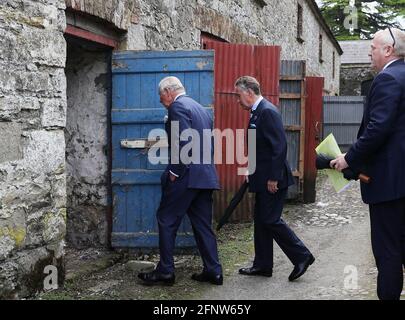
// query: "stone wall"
[[117, 12], [177, 24], [351, 77], [32, 161], [171, 25]]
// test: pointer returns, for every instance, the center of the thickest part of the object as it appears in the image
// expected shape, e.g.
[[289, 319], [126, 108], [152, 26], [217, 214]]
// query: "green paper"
[[330, 148]]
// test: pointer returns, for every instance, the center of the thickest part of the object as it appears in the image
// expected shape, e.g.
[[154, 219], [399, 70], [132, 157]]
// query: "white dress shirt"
[[255, 105]]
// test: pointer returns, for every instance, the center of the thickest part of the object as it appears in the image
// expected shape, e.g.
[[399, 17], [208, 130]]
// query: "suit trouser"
[[388, 243], [177, 201], [268, 225]]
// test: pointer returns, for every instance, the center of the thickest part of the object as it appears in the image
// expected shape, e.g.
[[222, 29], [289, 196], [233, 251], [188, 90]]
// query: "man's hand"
[[172, 177], [339, 163], [272, 186]]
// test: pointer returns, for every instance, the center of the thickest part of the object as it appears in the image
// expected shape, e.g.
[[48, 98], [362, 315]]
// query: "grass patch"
[[235, 246]]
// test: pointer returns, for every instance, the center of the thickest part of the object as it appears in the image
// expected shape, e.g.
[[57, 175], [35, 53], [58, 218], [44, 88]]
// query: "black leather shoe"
[[156, 277], [300, 269], [217, 279], [254, 271]]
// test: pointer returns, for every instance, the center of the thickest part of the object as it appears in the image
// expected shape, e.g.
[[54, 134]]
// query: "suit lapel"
[[257, 112]]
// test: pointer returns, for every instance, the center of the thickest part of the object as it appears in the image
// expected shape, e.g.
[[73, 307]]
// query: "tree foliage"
[[372, 15]]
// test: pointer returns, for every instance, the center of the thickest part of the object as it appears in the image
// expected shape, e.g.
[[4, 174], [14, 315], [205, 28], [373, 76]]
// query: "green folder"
[[330, 148]]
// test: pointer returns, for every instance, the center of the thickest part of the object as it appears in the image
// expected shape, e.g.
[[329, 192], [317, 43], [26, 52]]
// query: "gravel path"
[[336, 229]]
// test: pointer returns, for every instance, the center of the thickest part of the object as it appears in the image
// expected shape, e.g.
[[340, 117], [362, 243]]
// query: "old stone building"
[[55, 95], [355, 67]]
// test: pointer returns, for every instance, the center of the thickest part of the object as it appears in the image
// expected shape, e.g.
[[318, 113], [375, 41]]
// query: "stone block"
[[10, 141], [45, 151], [53, 113], [138, 266]]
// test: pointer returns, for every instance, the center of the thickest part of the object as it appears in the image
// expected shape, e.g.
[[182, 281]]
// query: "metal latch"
[[144, 143]]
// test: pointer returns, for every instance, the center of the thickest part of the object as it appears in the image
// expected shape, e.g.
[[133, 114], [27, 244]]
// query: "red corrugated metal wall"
[[313, 127], [231, 62]]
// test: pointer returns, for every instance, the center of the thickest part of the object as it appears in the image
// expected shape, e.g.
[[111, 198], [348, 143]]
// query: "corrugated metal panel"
[[346, 134], [343, 109], [290, 86], [231, 62], [342, 117], [290, 112], [292, 106], [343, 99], [293, 142], [267, 66], [292, 68]]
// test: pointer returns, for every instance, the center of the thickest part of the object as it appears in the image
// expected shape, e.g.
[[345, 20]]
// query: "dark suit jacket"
[[271, 149], [379, 151], [191, 115]]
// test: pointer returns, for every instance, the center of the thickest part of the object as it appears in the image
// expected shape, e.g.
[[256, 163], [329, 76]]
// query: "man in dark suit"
[[186, 187], [270, 182], [380, 153]]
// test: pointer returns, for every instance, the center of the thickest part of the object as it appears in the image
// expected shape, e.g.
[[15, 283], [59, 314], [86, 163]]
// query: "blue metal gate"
[[136, 110]]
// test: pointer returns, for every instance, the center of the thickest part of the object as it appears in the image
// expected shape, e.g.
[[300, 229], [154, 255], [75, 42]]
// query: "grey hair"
[[386, 38], [246, 82], [170, 83]]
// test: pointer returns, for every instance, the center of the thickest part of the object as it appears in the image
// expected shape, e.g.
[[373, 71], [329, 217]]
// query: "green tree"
[[371, 15]]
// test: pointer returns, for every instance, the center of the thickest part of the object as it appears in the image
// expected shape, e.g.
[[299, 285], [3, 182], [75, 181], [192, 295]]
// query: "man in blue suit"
[[270, 182], [187, 186], [379, 152]]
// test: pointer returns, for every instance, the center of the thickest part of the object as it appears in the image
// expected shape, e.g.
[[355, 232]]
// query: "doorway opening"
[[87, 137]]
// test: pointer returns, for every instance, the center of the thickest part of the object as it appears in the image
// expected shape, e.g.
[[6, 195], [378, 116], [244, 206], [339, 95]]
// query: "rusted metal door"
[[313, 133], [231, 62]]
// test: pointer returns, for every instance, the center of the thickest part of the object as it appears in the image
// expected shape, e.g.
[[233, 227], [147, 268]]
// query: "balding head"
[[387, 46], [395, 39]]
